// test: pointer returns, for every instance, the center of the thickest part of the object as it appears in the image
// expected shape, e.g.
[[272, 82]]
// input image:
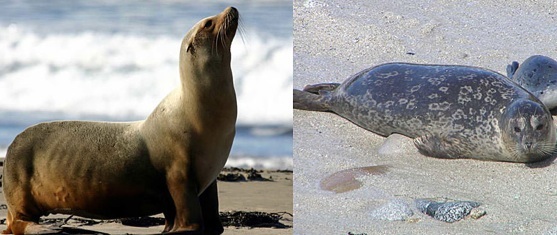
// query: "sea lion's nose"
[[231, 11]]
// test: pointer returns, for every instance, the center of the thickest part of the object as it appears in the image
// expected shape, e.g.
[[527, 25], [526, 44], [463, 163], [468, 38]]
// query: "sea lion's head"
[[209, 41], [528, 131]]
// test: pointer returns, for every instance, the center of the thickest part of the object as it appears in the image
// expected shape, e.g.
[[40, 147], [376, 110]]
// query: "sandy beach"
[[335, 39], [269, 195]]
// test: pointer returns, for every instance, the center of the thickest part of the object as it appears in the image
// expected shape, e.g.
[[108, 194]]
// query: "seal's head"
[[528, 132], [210, 39]]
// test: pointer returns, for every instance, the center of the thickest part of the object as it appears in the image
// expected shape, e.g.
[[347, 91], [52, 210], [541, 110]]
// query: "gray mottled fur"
[[537, 74], [451, 111]]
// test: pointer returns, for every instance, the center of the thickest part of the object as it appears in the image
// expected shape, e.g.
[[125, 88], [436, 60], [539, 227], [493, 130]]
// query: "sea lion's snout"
[[232, 12], [230, 17], [227, 24]]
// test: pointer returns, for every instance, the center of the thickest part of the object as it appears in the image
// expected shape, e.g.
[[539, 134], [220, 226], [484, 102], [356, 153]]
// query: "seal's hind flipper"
[[439, 147], [511, 69], [309, 101], [316, 88]]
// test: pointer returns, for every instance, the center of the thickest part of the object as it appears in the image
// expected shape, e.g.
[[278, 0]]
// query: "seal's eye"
[[516, 129], [539, 127], [208, 23]]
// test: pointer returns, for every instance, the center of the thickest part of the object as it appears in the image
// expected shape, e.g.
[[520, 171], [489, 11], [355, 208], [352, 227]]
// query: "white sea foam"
[[125, 76], [274, 163]]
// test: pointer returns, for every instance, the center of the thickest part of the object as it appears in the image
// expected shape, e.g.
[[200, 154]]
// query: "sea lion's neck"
[[205, 100], [205, 76], [210, 87]]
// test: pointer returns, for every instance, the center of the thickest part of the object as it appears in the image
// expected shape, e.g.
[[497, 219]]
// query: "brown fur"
[[167, 163]]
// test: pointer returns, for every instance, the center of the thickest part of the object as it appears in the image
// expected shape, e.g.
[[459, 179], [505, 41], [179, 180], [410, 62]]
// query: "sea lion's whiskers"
[[241, 30]]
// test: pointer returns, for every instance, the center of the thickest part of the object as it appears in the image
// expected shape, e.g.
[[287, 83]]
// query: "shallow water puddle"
[[346, 180]]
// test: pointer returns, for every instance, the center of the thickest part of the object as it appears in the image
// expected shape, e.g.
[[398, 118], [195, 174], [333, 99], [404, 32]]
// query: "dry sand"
[[335, 39], [254, 196]]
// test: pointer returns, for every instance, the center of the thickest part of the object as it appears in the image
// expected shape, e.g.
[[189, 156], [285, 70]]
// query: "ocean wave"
[[274, 163], [123, 77]]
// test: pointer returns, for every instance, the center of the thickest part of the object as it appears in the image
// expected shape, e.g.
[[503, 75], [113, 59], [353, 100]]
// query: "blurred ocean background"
[[116, 60]]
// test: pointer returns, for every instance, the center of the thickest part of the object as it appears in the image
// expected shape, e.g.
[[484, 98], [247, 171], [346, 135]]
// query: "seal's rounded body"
[[538, 75], [167, 163], [451, 111]]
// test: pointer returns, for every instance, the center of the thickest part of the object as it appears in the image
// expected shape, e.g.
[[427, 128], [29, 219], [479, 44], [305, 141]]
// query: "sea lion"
[[166, 164], [537, 74], [449, 111]]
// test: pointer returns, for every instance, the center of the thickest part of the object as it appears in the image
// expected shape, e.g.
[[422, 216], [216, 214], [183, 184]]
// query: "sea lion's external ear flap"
[[190, 47]]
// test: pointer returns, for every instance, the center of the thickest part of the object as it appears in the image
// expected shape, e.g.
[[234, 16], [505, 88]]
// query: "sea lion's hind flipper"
[[439, 147], [511, 69], [34, 228], [316, 88], [309, 101]]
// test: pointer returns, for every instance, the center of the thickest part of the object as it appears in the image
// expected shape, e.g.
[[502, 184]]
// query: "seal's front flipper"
[[439, 147], [316, 88], [511, 69]]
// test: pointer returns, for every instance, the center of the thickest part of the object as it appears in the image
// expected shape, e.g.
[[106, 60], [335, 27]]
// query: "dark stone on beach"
[[445, 210], [233, 174], [254, 175], [142, 221], [231, 177], [253, 219], [69, 230], [285, 171]]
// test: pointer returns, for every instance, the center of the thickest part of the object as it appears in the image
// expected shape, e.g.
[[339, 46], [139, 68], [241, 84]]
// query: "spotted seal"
[[537, 74], [449, 111], [166, 164]]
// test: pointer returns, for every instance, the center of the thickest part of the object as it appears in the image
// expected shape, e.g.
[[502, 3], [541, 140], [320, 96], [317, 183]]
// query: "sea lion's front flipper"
[[511, 69], [439, 147], [33, 228]]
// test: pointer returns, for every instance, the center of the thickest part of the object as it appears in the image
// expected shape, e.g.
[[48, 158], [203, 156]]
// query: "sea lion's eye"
[[539, 127], [208, 23], [516, 129]]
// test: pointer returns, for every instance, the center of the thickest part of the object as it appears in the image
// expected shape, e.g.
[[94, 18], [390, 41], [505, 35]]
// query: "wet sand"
[[335, 39]]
